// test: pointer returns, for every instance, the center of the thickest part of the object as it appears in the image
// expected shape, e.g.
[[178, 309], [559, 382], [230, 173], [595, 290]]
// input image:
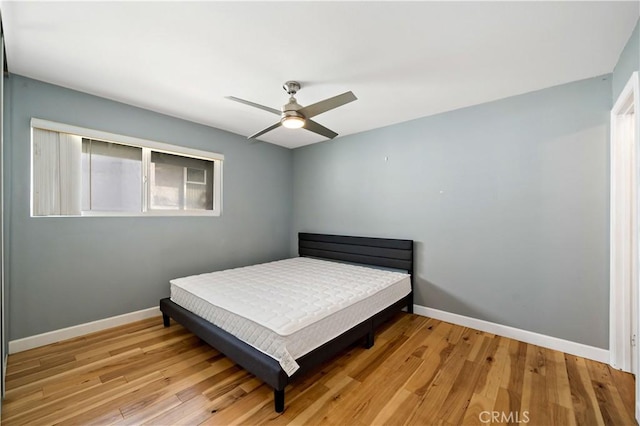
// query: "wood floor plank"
[[42, 378], [534, 389], [98, 401], [154, 410], [146, 362], [558, 388], [478, 406], [375, 391], [608, 397], [21, 405], [517, 359], [243, 407], [378, 357], [221, 387], [507, 402], [118, 344], [52, 410], [626, 386], [69, 386], [83, 342], [435, 351], [560, 415], [493, 368], [161, 389], [460, 393], [339, 383], [437, 392], [298, 403], [222, 370], [184, 413], [420, 371], [317, 411], [585, 403]]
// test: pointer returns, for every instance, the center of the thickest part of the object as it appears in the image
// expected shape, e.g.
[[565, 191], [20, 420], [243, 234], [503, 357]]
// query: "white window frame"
[[147, 146]]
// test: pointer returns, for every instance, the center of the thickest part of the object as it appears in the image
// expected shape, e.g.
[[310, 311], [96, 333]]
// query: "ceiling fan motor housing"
[[292, 119]]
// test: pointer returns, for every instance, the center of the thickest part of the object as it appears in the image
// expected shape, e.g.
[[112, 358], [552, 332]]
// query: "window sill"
[[167, 213]]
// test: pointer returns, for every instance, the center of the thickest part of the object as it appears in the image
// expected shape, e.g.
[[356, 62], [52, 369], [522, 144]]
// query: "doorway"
[[624, 249]]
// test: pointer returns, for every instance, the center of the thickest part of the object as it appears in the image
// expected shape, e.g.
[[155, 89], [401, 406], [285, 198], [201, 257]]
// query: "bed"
[[281, 350]]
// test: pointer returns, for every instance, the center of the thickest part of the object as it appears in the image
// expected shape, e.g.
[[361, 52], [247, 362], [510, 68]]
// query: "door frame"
[[624, 249]]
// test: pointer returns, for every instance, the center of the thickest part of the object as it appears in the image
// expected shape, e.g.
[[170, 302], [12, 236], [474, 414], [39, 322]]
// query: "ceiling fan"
[[294, 116]]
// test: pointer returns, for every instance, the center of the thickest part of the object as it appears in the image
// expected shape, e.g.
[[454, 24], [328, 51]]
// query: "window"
[[180, 182], [111, 177], [83, 172]]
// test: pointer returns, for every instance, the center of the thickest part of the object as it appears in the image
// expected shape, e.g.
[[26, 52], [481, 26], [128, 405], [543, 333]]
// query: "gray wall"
[[507, 201], [68, 271], [628, 62]]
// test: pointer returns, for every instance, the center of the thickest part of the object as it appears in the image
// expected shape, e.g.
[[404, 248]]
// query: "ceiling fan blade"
[[263, 131], [319, 129], [253, 104], [324, 106]]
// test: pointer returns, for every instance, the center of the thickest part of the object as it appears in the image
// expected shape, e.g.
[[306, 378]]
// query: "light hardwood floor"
[[421, 372]]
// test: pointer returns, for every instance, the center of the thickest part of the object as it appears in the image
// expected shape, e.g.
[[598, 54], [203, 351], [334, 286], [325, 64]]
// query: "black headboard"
[[385, 252]]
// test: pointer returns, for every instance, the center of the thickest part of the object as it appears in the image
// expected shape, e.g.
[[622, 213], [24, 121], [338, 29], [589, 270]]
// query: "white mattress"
[[289, 307]]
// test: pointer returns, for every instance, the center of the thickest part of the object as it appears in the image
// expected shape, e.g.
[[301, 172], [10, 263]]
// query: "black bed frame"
[[384, 252]]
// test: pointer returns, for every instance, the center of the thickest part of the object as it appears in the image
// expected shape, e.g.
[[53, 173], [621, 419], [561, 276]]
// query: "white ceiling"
[[403, 60]]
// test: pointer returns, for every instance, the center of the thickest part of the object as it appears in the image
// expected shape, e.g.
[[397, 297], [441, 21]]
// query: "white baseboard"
[[31, 342], [573, 348], [579, 349]]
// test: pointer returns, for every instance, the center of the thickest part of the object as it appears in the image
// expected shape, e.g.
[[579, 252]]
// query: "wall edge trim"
[[567, 346], [55, 336], [550, 342]]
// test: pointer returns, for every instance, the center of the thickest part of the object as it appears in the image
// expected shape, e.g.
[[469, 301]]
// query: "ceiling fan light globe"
[[293, 122]]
